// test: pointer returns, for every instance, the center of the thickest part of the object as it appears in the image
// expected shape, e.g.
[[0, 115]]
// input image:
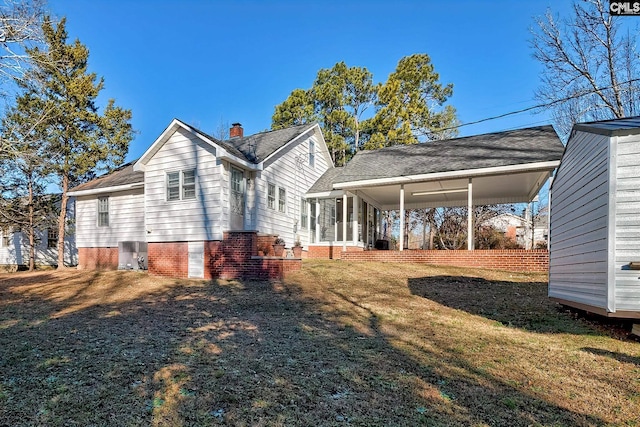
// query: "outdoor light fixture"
[[444, 191]]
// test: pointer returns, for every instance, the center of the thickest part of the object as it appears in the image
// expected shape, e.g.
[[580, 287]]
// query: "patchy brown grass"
[[335, 344]]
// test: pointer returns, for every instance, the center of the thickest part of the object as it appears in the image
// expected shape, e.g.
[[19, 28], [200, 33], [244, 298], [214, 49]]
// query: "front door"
[[237, 199]]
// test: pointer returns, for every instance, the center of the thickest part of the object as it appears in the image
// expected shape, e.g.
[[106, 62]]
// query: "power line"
[[535, 107]]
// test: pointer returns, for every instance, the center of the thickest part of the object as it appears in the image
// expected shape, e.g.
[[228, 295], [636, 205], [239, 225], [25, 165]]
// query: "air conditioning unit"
[[132, 255]]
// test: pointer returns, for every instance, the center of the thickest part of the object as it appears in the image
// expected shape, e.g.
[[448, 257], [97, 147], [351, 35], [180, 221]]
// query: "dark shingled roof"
[[122, 176], [255, 148], [614, 127], [514, 147], [252, 148], [325, 182]]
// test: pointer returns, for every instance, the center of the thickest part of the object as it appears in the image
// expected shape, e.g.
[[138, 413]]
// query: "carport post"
[[401, 217], [344, 221], [470, 237]]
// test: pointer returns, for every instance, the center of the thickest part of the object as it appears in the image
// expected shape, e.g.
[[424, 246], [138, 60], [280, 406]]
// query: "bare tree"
[[20, 28], [590, 65]]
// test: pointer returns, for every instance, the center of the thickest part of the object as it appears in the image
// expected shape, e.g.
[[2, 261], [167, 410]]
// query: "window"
[[282, 199], [181, 185], [312, 153], [304, 213], [103, 211], [189, 184], [6, 237], [271, 196], [52, 238]]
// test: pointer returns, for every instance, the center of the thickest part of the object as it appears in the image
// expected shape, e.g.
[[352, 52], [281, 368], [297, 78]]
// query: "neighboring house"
[[595, 220], [189, 189], [14, 245], [518, 228]]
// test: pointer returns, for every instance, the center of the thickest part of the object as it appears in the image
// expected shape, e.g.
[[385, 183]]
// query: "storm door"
[[237, 199]]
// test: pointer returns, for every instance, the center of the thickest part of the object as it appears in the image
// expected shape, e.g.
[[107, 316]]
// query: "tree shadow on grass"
[[522, 305], [235, 353]]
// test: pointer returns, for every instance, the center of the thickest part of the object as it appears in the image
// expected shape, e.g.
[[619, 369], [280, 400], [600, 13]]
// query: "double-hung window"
[[271, 196], [304, 213], [312, 153], [103, 212], [282, 199], [52, 238], [181, 185], [6, 237]]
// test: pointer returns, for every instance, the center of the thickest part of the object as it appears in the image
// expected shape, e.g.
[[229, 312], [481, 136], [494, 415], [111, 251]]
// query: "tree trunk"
[[31, 229], [62, 221]]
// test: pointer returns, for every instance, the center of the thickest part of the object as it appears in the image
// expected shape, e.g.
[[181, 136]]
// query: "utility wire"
[[535, 107]]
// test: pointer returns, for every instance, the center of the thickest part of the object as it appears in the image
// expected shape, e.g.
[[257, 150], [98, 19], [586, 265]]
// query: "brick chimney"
[[236, 131]]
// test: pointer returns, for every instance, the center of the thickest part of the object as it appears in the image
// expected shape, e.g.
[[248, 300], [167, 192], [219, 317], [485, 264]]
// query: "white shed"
[[595, 220]]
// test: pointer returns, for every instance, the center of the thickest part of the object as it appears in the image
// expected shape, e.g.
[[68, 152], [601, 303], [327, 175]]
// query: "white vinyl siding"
[[627, 223], [126, 220], [287, 172], [578, 266], [198, 218]]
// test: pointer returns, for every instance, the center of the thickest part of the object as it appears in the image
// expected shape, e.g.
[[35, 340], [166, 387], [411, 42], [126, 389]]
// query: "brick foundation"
[[97, 258], [330, 252], [235, 256], [507, 259]]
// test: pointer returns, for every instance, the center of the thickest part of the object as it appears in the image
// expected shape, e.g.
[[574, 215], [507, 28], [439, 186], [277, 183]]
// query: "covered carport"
[[495, 168]]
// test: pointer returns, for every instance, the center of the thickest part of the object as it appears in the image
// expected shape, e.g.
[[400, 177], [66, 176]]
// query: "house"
[[595, 220], [494, 168], [195, 206], [14, 245], [176, 202]]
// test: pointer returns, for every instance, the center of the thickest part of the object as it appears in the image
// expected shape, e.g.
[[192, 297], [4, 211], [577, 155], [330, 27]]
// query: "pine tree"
[[78, 139]]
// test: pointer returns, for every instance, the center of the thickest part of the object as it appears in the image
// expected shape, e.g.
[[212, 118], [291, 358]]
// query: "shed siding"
[[578, 263], [126, 220], [183, 220], [292, 172], [627, 234]]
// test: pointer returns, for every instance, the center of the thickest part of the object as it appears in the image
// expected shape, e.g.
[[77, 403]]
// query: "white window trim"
[[304, 213], [282, 204], [98, 223], [181, 185], [312, 153], [275, 196]]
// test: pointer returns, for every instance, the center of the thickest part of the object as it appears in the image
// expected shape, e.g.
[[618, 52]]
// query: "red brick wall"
[[233, 257], [329, 252], [97, 258], [168, 259], [265, 243], [507, 259]]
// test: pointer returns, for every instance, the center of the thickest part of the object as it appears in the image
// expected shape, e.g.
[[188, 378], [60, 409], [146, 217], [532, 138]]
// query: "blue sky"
[[207, 62]]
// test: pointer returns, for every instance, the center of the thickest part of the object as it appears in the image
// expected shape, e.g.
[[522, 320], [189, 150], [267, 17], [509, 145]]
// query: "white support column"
[[317, 220], [550, 181], [354, 223], [344, 221], [470, 236], [402, 217]]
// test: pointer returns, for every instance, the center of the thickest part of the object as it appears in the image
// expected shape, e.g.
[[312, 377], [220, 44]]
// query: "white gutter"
[[498, 170], [111, 189]]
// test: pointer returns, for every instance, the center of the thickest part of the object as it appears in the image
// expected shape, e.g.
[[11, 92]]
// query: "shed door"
[[237, 199]]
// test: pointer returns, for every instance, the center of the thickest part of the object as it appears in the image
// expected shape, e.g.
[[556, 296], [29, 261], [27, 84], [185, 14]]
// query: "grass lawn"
[[336, 344]]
